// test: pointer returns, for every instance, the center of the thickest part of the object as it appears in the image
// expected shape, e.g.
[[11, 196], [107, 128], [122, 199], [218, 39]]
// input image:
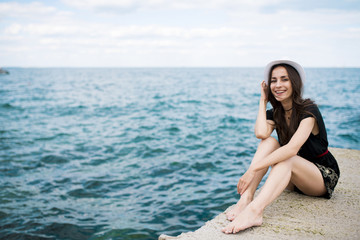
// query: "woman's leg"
[[297, 170], [265, 147]]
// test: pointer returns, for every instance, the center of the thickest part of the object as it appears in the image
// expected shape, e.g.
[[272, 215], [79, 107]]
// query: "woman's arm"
[[290, 149], [263, 127], [283, 153]]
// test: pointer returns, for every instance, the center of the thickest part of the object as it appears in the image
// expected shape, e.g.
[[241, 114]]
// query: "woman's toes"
[[228, 229], [230, 216]]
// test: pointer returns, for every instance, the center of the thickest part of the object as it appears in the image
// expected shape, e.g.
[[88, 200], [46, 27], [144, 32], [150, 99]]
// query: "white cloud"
[[23, 10], [132, 5], [247, 37], [126, 6], [13, 29], [116, 32], [48, 29]]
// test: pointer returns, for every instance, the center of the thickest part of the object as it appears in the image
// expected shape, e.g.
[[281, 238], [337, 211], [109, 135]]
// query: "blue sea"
[[131, 153]]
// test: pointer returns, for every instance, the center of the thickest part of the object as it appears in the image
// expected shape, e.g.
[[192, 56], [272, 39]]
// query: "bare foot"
[[250, 217], [237, 209]]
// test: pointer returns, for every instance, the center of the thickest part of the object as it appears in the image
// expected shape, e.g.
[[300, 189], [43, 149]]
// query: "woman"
[[300, 160]]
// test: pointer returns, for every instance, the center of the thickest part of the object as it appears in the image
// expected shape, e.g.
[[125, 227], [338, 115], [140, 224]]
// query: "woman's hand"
[[264, 91], [245, 181]]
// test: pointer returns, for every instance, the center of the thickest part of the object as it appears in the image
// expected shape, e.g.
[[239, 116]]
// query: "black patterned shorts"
[[330, 179]]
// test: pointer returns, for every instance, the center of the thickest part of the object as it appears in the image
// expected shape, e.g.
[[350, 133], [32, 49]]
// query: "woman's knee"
[[270, 141], [288, 163]]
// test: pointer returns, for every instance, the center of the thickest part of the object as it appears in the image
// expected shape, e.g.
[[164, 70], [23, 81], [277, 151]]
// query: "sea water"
[[133, 153]]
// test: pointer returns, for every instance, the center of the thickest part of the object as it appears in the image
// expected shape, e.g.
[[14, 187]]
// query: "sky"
[[179, 33]]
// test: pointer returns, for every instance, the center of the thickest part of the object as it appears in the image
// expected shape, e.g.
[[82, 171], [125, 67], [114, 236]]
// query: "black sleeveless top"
[[316, 146]]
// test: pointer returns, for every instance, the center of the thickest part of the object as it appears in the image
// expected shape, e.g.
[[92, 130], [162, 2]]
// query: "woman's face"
[[280, 85]]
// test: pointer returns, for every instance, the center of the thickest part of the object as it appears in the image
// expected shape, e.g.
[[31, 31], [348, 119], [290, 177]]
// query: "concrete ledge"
[[295, 216]]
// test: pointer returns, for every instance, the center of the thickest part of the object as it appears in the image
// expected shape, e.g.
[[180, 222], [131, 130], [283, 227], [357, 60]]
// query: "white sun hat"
[[295, 65]]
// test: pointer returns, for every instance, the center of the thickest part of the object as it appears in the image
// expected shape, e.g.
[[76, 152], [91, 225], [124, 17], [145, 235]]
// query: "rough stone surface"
[[296, 216]]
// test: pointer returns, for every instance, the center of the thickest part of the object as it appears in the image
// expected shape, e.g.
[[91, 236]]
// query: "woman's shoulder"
[[310, 110]]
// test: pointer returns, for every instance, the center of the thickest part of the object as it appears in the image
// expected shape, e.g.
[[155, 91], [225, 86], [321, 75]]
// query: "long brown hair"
[[299, 105]]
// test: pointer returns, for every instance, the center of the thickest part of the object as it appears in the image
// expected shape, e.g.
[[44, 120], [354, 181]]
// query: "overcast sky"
[[178, 33]]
